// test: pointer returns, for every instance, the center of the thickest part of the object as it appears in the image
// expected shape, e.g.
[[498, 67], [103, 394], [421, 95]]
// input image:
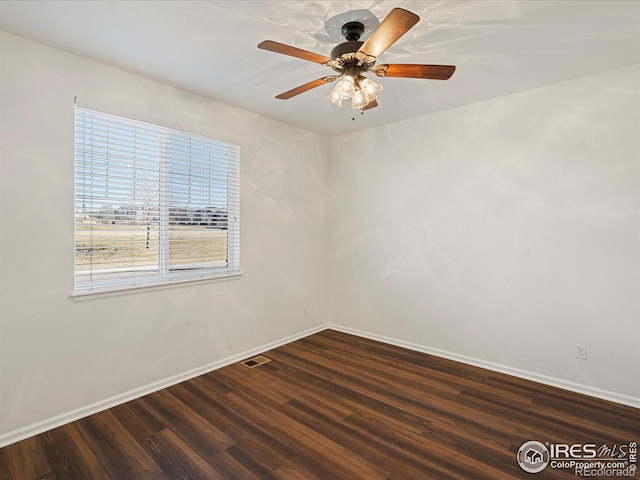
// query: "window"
[[152, 205]]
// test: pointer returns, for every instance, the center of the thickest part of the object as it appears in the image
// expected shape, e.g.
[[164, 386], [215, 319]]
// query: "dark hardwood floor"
[[333, 407]]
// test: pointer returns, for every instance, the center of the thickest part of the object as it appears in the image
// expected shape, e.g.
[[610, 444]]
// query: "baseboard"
[[536, 377], [77, 414]]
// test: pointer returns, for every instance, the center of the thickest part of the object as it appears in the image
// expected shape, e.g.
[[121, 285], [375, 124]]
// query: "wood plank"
[[498, 421], [400, 399], [303, 467], [177, 460], [415, 376], [24, 460], [351, 399], [271, 384], [470, 458], [258, 380], [138, 420], [398, 461], [243, 457], [291, 471], [263, 445], [120, 454], [235, 462], [308, 441], [70, 456], [203, 437]]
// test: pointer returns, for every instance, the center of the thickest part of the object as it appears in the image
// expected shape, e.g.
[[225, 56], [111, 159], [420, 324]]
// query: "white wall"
[[507, 231], [57, 354]]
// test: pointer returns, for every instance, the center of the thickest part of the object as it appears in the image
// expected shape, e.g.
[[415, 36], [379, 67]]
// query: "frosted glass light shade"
[[360, 90], [359, 99], [346, 86], [370, 88], [335, 96]]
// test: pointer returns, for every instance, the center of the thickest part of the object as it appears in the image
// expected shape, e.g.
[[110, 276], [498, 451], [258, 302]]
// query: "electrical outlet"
[[581, 352], [306, 310]]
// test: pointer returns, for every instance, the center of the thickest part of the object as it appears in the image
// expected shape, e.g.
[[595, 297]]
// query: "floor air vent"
[[256, 361]]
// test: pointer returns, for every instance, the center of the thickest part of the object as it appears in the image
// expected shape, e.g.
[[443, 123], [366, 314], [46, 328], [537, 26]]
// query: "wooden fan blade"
[[306, 87], [409, 70], [370, 105], [292, 51], [396, 24]]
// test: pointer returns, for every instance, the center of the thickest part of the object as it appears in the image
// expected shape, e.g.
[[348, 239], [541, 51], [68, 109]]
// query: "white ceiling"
[[209, 47]]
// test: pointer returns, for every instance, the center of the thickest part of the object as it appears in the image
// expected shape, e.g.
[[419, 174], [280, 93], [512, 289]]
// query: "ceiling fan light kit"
[[352, 58], [360, 90]]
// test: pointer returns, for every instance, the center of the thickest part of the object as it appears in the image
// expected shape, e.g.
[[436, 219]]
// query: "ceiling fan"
[[353, 58]]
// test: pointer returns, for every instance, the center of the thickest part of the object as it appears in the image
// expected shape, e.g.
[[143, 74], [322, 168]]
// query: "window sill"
[[125, 290]]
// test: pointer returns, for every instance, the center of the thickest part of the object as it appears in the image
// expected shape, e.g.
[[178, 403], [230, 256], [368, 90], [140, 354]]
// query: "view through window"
[[153, 205]]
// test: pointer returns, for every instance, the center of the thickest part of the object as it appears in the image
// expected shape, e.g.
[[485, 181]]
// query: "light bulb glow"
[[346, 86], [359, 99]]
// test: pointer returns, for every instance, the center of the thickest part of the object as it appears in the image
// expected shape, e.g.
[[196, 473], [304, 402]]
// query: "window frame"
[[165, 275]]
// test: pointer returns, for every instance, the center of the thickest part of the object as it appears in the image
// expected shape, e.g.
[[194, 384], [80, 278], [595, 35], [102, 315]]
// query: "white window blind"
[[153, 205]]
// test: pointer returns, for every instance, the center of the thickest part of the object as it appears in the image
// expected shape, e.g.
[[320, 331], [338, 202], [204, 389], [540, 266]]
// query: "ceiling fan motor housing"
[[346, 58], [345, 47], [352, 31]]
